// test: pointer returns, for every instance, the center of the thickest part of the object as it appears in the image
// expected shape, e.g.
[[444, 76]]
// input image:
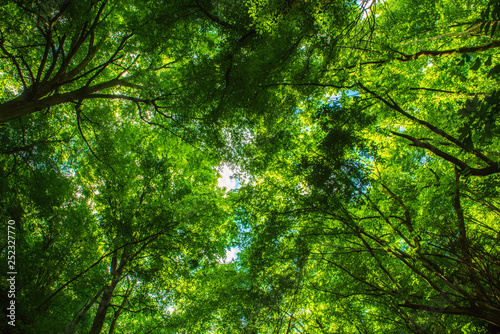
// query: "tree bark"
[[467, 49], [118, 312], [85, 310], [491, 169], [21, 106], [103, 307], [116, 273]]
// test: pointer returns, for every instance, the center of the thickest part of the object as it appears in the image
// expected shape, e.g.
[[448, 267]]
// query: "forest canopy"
[[363, 137]]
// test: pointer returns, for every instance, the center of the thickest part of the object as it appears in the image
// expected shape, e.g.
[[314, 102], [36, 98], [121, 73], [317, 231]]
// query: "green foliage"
[[480, 120], [365, 140], [490, 16]]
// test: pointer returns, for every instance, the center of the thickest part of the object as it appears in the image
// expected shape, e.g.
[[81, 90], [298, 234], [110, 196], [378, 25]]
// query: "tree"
[[150, 216], [367, 135], [391, 240]]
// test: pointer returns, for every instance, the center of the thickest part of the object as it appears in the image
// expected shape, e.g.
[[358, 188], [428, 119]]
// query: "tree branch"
[[39, 307], [393, 105], [492, 169]]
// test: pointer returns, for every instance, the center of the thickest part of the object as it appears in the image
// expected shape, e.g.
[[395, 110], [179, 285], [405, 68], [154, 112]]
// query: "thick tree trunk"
[[22, 106], [116, 272], [103, 307], [85, 310]]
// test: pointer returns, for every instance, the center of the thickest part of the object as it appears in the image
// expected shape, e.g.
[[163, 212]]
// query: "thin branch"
[[445, 91], [452, 34], [492, 169], [462, 50], [14, 61], [214, 18], [78, 120], [132, 311], [85, 310], [95, 264], [31, 146], [393, 105]]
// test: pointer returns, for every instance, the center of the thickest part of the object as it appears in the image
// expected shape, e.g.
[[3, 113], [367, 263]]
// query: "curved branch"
[[78, 121], [214, 18], [466, 49], [39, 307], [451, 34], [393, 105], [492, 169]]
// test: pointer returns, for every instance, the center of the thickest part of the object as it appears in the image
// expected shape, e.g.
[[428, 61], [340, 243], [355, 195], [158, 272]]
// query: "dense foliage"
[[364, 136]]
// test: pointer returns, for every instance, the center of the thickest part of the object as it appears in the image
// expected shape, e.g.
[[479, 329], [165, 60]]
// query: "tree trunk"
[[103, 307], [116, 273], [85, 310], [118, 312], [22, 106]]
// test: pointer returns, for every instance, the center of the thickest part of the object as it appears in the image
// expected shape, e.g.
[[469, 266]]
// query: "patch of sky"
[[429, 65], [335, 98], [365, 6], [227, 181], [67, 171], [403, 245], [243, 239], [231, 254], [423, 160]]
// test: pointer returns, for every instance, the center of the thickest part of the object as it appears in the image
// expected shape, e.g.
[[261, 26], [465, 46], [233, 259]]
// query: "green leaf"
[[493, 28], [476, 65], [488, 61], [464, 112], [487, 28], [495, 70], [469, 143], [496, 12]]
